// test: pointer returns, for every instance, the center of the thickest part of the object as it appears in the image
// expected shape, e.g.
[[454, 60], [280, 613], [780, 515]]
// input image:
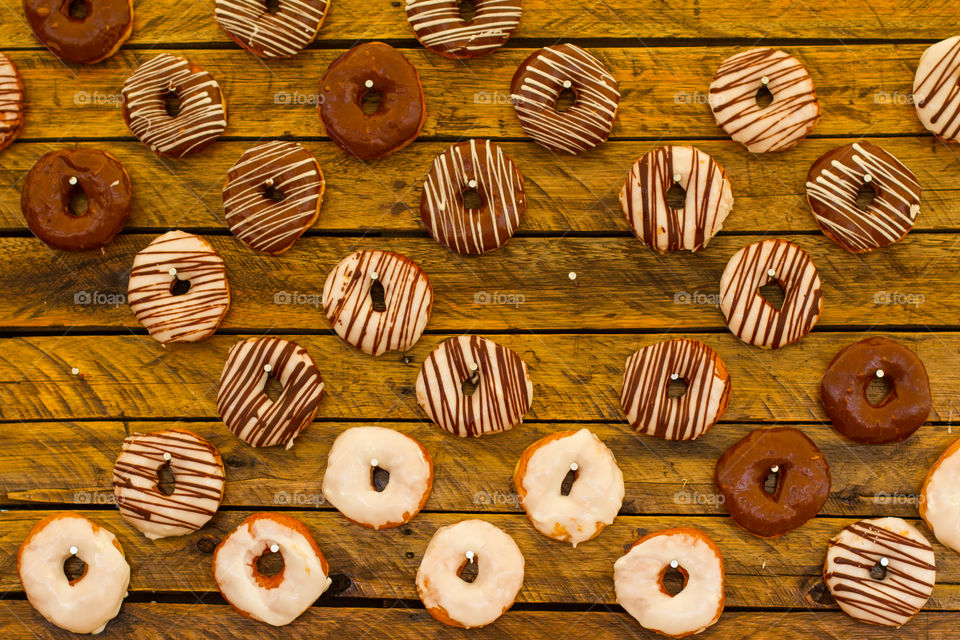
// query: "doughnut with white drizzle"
[[11, 101], [271, 34], [438, 26]]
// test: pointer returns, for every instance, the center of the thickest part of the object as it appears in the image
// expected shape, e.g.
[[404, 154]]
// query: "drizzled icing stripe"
[[439, 26], [244, 407], [271, 35], [501, 397], [202, 115], [709, 198], [408, 300], [538, 84], [482, 166], [936, 89], [781, 124], [189, 317], [906, 581], [11, 101], [832, 188], [644, 395], [198, 482], [262, 223], [749, 316]]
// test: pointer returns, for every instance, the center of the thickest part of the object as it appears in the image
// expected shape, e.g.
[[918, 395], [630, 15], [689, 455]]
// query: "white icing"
[[11, 100], [272, 35], [940, 498], [936, 89], [595, 496]]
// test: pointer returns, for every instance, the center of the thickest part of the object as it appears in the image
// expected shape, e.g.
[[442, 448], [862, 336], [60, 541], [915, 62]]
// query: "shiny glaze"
[[438, 26], [94, 38], [936, 89]]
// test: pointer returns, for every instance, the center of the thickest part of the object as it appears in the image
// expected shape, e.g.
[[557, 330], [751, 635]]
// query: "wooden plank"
[[70, 463], [576, 377], [524, 286], [369, 19], [149, 621], [769, 190], [663, 93], [383, 564]]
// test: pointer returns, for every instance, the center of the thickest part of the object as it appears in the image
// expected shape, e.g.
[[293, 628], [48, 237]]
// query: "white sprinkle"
[[884, 562], [75, 371], [674, 564], [368, 84], [574, 466], [73, 180], [567, 84], [73, 551], [572, 275], [879, 373], [764, 80], [172, 272], [269, 182], [472, 184], [374, 275], [775, 469], [474, 367], [470, 556], [268, 368], [274, 548], [772, 273], [867, 177], [676, 177], [166, 455], [374, 462], [674, 376]]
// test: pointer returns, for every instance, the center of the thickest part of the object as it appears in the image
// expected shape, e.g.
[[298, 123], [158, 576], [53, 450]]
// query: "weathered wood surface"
[[863, 90], [576, 377], [383, 564], [579, 196], [70, 463]]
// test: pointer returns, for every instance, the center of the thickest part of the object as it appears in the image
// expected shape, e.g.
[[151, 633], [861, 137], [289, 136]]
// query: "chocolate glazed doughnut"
[[372, 67], [85, 32], [843, 391], [802, 473], [58, 175]]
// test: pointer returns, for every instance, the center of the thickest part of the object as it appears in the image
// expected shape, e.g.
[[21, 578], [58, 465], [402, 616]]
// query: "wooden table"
[[61, 432]]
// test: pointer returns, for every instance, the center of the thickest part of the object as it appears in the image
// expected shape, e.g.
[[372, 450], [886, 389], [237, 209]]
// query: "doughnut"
[[939, 501], [474, 165], [735, 95], [439, 26], [372, 67], [472, 386], [246, 409], [178, 288], [802, 480], [272, 195], [837, 179], [198, 482], [749, 316], [11, 101], [85, 604], [594, 498], [880, 571], [349, 481], [638, 582], [378, 301], [173, 107], [693, 176], [456, 602], [536, 88], [281, 598], [843, 391], [280, 32], [935, 93], [86, 32], [645, 398], [58, 176]]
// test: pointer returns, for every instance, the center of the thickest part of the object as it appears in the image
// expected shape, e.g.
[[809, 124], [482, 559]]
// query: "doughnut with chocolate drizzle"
[[11, 101], [936, 89], [706, 191], [777, 126], [198, 482], [880, 570], [472, 386]]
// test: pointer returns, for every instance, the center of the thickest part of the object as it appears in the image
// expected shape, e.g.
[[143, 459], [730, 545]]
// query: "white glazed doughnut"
[[348, 479], [496, 400], [871, 590], [198, 482], [88, 603], [349, 304], [940, 497], [595, 496], [638, 580], [935, 93], [244, 407], [708, 198], [278, 599], [778, 126], [154, 291], [459, 603]]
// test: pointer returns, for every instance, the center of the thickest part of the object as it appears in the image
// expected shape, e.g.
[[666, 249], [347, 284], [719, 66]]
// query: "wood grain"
[[70, 463], [577, 196], [576, 377], [863, 90]]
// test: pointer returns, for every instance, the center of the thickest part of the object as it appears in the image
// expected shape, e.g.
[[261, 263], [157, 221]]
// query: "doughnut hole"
[[171, 102], [773, 293], [378, 296], [166, 479], [676, 196], [469, 571], [763, 97], [379, 478], [565, 99], [370, 101], [77, 203], [268, 568], [878, 571], [469, 386], [677, 388], [866, 195], [270, 192], [77, 9], [878, 390], [74, 568], [567, 485], [272, 388], [673, 580], [471, 199], [771, 482], [272, 6], [179, 287], [468, 10]]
